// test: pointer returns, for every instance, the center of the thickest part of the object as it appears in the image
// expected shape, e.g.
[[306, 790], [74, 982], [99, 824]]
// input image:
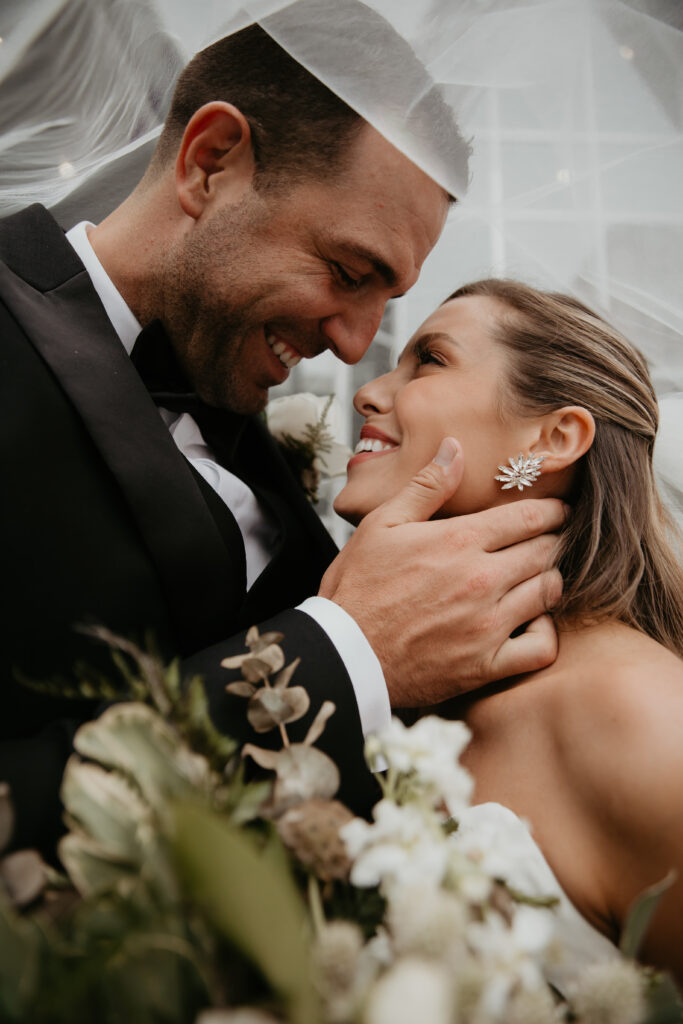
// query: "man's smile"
[[288, 356]]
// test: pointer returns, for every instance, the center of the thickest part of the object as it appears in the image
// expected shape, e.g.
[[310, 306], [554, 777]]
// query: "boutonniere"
[[307, 428]]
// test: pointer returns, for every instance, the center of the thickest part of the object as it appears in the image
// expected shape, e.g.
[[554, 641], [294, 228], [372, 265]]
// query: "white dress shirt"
[[258, 531]]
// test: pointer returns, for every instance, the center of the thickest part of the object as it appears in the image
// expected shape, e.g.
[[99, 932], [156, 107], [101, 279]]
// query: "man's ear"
[[215, 157], [565, 435]]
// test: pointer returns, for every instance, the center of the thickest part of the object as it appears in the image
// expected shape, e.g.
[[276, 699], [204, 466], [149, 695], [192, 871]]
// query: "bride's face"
[[449, 382]]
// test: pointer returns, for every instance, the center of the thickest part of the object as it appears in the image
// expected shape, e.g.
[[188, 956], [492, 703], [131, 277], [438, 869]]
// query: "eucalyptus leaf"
[[302, 774], [269, 708], [258, 642], [299, 702], [273, 656], [266, 709], [264, 758], [283, 678], [24, 876], [252, 637], [640, 915], [235, 662], [317, 726], [249, 896], [255, 669], [241, 688]]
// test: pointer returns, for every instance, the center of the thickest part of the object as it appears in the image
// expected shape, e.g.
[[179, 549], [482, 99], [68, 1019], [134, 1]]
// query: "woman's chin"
[[348, 510]]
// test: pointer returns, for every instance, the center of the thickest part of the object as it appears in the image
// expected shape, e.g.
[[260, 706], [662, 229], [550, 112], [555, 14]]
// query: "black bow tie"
[[154, 359], [169, 388]]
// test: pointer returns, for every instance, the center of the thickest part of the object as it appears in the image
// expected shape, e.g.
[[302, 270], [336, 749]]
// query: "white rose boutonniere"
[[308, 428]]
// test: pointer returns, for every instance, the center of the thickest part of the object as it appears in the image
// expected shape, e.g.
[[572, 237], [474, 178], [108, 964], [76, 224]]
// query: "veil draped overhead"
[[574, 109]]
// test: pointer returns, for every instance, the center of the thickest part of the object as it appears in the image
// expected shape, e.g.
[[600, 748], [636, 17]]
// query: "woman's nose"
[[375, 396]]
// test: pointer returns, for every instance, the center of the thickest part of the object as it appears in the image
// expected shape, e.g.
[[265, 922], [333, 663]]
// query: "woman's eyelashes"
[[426, 354]]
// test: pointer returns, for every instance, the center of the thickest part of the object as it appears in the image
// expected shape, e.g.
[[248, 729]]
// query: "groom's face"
[[285, 274]]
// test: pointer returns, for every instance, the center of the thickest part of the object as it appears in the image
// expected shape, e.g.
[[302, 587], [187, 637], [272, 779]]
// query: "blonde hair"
[[617, 558]]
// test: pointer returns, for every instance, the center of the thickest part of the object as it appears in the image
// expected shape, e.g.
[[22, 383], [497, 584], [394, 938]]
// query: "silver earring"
[[521, 472]]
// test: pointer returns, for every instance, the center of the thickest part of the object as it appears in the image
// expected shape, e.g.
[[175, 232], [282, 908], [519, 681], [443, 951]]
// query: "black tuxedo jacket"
[[104, 521]]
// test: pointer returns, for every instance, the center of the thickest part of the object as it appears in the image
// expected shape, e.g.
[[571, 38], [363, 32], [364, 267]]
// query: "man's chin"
[[242, 402]]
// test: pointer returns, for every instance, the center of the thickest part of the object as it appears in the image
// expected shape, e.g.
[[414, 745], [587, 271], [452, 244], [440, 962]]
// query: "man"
[[272, 224]]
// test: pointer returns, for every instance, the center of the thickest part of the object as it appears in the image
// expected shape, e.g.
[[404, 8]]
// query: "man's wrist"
[[361, 662]]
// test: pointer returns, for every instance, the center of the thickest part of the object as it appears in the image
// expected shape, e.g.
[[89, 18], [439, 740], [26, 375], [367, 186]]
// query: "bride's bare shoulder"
[[616, 684], [611, 664], [618, 720]]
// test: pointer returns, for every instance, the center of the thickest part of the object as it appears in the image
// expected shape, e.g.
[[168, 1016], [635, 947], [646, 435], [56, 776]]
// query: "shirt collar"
[[122, 319]]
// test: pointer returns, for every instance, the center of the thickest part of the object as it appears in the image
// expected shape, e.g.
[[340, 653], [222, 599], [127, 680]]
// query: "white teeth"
[[368, 444], [287, 356]]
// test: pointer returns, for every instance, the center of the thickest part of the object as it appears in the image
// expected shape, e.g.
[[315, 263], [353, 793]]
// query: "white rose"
[[294, 414]]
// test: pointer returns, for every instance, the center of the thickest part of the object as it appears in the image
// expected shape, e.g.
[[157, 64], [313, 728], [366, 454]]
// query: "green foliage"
[[640, 915], [246, 890], [664, 1004]]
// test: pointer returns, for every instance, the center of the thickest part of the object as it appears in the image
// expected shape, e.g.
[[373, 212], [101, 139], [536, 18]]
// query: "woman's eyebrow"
[[436, 336], [425, 339]]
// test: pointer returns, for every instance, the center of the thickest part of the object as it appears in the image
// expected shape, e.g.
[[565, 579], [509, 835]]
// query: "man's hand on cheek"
[[438, 601]]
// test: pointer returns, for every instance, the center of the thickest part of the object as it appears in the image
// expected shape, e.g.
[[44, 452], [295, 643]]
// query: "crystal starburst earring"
[[521, 472]]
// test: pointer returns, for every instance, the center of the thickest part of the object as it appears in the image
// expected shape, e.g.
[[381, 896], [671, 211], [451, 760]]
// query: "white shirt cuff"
[[360, 661]]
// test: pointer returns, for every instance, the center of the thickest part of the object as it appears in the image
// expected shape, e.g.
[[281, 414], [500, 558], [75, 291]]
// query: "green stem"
[[316, 904]]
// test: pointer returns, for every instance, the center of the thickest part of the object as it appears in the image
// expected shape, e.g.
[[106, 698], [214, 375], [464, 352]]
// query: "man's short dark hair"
[[299, 127]]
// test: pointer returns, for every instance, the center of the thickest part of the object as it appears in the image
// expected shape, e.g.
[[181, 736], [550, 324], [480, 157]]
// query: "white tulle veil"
[[574, 109]]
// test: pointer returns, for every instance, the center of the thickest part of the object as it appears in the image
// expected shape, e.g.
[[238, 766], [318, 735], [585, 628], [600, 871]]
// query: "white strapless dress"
[[504, 836]]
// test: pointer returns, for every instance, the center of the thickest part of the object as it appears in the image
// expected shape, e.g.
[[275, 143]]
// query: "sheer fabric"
[[574, 109]]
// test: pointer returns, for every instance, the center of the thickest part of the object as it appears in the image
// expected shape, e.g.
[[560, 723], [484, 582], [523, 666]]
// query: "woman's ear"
[[565, 435], [215, 158]]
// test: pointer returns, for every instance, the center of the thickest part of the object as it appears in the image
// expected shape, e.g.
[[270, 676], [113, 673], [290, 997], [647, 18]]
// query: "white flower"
[[498, 844], [431, 747], [467, 877], [511, 955], [335, 956], [413, 990], [427, 921], [533, 1007], [294, 415], [342, 972], [401, 846], [610, 993]]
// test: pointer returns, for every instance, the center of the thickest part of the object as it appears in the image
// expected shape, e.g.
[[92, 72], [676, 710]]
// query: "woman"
[[547, 399]]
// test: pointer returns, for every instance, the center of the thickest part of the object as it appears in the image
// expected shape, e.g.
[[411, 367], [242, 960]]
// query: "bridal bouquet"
[[191, 894]]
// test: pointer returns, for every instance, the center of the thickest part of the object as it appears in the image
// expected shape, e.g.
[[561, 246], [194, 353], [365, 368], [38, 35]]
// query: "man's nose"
[[349, 332]]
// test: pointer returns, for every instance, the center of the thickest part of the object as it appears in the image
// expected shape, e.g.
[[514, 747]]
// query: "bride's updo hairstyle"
[[616, 559]]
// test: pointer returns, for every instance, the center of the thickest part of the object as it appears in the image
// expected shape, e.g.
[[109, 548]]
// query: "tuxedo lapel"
[[203, 578], [304, 548]]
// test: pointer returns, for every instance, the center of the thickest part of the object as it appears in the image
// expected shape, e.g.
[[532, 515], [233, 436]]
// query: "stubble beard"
[[211, 341]]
